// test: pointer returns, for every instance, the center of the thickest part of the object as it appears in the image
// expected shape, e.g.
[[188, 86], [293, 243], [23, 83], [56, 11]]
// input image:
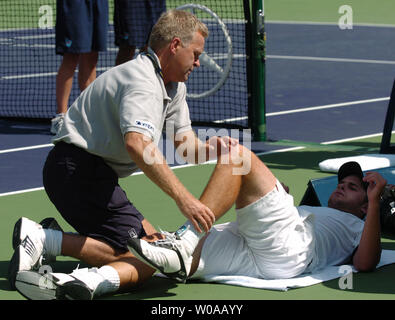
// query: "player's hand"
[[376, 185], [286, 188], [200, 215]]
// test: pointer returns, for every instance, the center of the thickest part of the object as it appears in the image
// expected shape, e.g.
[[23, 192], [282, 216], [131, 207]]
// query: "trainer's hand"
[[200, 215], [220, 145]]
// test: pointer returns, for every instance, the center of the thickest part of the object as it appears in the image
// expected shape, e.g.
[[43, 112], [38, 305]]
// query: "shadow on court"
[[309, 158], [17, 126], [59, 266], [154, 288], [380, 281]]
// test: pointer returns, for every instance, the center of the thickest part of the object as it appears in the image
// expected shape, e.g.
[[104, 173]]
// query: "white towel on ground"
[[367, 162], [304, 280]]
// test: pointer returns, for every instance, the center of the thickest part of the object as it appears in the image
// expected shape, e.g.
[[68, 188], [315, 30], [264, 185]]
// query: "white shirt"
[[337, 235], [129, 97]]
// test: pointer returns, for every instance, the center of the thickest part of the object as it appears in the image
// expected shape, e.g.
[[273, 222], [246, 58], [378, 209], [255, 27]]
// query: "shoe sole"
[[16, 234], [135, 247], [35, 286], [76, 290], [13, 268]]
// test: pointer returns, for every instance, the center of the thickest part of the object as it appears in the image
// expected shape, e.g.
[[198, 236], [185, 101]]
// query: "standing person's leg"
[[64, 80], [87, 69], [64, 84], [125, 54]]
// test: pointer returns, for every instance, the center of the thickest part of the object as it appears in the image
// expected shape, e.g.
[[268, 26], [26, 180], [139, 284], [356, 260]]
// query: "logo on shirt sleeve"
[[145, 125]]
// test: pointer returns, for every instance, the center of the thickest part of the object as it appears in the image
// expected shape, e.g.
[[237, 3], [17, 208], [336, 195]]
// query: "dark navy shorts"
[[85, 191], [81, 26], [133, 20]]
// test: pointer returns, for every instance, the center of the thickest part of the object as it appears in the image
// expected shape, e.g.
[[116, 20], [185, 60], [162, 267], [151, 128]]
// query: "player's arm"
[[368, 253], [194, 150], [150, 160]]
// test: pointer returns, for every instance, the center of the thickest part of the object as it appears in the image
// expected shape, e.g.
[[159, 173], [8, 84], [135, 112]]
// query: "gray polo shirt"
[[129, 97]]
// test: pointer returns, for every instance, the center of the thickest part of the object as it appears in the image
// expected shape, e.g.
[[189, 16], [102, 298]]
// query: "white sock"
[[53, 242], [188, 233], [110, 281]]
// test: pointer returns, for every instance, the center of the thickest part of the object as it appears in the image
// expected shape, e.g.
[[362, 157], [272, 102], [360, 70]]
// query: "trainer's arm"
[[150, 160], [368, 254]]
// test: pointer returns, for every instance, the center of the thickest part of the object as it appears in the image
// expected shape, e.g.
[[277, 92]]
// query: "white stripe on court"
[[46, 74], [308, 58], [140, 172], [27, 148], [328, 106], [20, 191], [373, 135], [213, 161]]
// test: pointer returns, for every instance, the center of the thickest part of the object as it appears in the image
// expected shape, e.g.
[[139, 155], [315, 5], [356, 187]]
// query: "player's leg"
[[225, 189], [226, 186]]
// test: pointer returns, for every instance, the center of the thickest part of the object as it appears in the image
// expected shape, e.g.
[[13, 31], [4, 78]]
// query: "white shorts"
[[269, 240]]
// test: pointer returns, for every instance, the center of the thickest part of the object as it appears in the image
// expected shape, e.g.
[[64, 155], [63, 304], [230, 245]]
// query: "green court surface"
[[324, 11], [294, 168]]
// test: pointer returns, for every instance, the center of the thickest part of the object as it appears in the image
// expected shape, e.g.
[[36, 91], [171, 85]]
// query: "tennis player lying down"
[[271, 237]]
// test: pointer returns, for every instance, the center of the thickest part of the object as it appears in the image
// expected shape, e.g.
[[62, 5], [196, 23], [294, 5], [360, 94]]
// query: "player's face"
[[187, 57], [349, 196]]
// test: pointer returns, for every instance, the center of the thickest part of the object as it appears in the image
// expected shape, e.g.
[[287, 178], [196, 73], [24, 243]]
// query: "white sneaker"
[[169, 255], [28, 243], [56, 123], [78, 285]]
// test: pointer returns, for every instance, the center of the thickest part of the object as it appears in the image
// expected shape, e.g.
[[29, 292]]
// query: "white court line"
[[308, 58], [20, 191], [213, 161], [327, 106], [140, 172], [27, 148], [355, 138]]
